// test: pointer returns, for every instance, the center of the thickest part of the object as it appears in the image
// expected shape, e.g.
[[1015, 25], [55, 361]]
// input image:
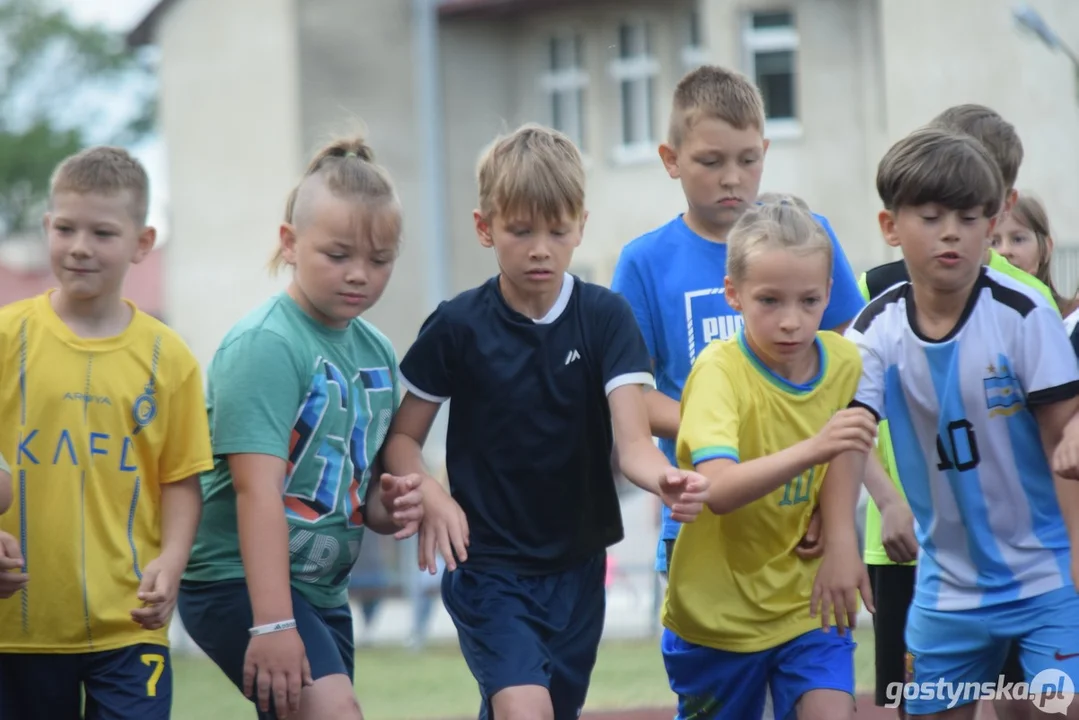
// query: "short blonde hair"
[[104, 170], [347, 168], [532, 172], [715, 92], [772, 197], [781, 225]]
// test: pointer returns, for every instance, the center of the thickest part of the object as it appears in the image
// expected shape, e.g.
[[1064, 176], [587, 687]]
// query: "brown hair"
[[347, 168], [994, 132], [715, 92], [778, 224], [532, 172], [1031, 214], [104, 170], [932, 165]]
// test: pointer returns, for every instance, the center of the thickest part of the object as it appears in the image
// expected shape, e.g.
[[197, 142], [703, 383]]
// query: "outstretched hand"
[[684, 492], [403, 501]]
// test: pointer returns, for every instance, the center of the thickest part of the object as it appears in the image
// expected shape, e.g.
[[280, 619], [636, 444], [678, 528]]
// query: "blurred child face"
[[782, 299], [943, 248], [93, 239], [720, 169], [533, 253], [1018, 244], [342, 254]]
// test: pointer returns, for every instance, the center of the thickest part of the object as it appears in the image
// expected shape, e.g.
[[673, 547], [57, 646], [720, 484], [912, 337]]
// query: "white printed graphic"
[[1051, 691], [708, 318], [572, 355]]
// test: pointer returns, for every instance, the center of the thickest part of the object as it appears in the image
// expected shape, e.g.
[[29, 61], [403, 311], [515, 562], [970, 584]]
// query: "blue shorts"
[[969, 646], [131, 683], [529, 629], [217, 616], [721, 685]]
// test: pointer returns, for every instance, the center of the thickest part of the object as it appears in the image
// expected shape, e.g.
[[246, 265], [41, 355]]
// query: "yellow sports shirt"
[[92, 429], [735, 582]]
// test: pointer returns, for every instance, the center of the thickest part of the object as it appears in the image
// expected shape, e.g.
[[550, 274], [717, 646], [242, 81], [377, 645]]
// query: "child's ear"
[[887, 227], [731, 294], [287, 235], [146, 242], [669, 155], [483, 229]]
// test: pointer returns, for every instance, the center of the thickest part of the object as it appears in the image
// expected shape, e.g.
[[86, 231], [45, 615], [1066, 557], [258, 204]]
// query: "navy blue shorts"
[[529, 629], [132, 683], [217, 616]]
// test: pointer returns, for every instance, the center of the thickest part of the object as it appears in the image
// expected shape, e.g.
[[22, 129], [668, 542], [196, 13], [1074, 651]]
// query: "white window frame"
[[571, 84], [780, 39], [637, 68], [694, 53]]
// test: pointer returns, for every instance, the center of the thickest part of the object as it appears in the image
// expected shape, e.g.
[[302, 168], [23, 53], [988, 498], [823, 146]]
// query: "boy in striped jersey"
[[975, 374]]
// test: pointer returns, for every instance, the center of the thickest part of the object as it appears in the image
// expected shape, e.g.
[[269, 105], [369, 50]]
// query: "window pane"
[[694, 29], [649, 99], [558, 111], [578, 52], [773, 20], [625, 41], [775, 78], [553, 53], [627, 112], [578, 119]]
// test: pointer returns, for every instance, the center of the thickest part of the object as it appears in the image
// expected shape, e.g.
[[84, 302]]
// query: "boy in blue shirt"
[[673, 276]]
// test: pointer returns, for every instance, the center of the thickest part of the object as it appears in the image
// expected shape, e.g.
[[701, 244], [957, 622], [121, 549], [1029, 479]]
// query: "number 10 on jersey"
[[957, 448]]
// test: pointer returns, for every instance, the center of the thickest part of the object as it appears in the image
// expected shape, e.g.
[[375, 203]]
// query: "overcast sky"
[[123, 15]]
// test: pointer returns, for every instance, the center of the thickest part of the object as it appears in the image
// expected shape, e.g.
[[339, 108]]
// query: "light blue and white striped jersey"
[[966, 440]]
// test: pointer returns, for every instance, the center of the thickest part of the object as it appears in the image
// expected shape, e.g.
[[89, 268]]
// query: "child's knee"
[[330, 698], [826, 705], [523, 702]]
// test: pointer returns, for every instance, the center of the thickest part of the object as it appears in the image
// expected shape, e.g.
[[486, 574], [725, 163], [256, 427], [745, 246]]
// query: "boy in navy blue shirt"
[[545, 373], [673, 276]]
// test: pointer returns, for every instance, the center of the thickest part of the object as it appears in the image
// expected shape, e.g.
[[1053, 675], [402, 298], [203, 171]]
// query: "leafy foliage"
[[62, 86]]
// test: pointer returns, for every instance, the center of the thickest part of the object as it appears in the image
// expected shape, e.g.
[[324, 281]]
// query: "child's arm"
[[842, 574], [663, 412], [735, 484], [181, 508], [394, 505], [427, 373], [5, 486], [897, 522], [643, 463]]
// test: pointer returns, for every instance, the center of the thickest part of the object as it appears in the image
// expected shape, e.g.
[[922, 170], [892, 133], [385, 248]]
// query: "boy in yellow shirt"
[[105, 427]]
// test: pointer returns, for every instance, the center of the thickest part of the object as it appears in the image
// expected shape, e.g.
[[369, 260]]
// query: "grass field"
[[396, 684]]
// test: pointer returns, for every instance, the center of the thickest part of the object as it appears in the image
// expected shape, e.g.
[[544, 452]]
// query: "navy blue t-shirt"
[[528, 448]]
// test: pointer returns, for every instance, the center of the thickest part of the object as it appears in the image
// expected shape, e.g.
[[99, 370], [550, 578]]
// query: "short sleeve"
[[256, 387], [187, 444], [846, 299], [4, 467], [863, 287], [1071, 325], [711, 412], [870, 392], [1047, 369], [625, 358], [427, 368], [629, 283]]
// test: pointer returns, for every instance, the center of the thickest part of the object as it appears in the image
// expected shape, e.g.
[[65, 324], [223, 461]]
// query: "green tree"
[[62, 86]]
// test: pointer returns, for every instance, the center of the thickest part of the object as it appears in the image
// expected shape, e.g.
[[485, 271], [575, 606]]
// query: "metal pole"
[[432, 175]]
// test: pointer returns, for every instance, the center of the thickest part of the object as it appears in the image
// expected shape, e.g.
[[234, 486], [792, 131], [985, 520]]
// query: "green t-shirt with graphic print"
[[282, 384]]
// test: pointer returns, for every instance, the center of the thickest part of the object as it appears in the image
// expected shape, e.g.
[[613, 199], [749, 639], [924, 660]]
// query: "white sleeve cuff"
[[420, 393], [637, 378]]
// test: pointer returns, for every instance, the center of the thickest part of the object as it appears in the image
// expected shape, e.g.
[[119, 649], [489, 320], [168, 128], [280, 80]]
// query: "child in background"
[[974, 373], [759, 409], [1024, 239], [301, 395], [544, 373], [105, 424], [672, 276]]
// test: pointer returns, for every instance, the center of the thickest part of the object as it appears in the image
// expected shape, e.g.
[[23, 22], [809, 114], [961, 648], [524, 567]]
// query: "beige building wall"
[[230, 114]]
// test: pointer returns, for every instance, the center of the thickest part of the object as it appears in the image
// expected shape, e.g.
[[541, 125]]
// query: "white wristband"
[[272, 628]]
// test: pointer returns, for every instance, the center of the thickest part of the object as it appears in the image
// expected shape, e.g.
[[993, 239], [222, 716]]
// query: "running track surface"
[[866, 711]]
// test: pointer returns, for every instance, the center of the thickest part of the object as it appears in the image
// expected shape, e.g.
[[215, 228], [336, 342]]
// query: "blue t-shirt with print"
[[673, 280]]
